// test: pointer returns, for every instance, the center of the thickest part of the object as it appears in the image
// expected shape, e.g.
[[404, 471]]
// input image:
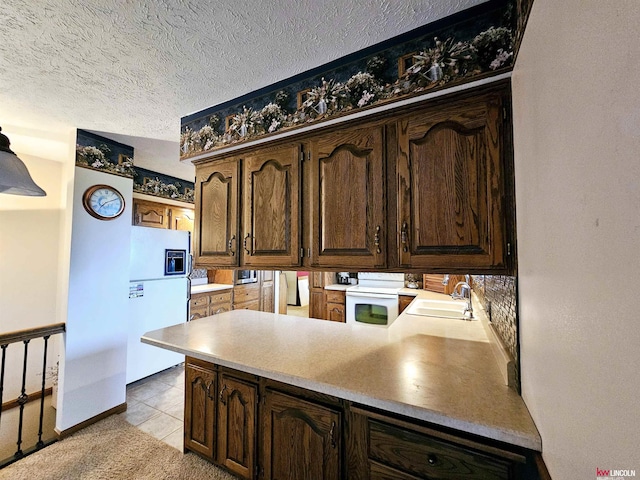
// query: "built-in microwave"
[[245, 276]]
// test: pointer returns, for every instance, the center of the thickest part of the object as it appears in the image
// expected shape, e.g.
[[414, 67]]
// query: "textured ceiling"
[[133, 68]]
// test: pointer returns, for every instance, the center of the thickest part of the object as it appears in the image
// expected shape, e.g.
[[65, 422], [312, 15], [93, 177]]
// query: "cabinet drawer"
[[250, 305], [245, 294], [220, 297], [377, 471], [199, 300], [421, 455], [217, 308], [198, 312], [334, 296]]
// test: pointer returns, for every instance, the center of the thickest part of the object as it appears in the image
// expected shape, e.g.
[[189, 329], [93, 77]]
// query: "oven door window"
[[372, 314]]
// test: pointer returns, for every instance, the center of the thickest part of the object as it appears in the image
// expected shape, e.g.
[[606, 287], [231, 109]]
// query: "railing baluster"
[[4, 359], [22, 399], [25, 336], [40, 443]]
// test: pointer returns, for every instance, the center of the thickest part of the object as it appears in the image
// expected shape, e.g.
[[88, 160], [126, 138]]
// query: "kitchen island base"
[[258, 428]]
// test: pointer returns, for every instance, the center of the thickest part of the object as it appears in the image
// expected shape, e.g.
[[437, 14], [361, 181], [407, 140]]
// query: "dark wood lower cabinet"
[[300, 439], [200, 408], [237, 416], [425, 456], [261, 429]]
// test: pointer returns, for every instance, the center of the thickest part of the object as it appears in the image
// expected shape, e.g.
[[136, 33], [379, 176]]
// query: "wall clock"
[[103, 202]]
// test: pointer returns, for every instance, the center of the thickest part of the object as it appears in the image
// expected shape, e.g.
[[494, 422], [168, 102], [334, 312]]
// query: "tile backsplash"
[[498, 294], [198, 273]]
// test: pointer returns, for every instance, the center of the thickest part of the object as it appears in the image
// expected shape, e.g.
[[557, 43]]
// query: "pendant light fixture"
[[14, 176]]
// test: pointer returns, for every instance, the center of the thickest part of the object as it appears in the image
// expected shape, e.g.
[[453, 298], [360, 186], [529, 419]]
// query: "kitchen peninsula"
[[365, 394]]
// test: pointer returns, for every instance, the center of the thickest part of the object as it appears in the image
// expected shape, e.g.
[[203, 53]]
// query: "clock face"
[[103, 202]]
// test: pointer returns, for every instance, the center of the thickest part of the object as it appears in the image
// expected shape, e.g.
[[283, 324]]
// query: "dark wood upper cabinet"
[[301, 439], [216, 240], [271, 207], [451, 187], [348, 226], [424, 188]]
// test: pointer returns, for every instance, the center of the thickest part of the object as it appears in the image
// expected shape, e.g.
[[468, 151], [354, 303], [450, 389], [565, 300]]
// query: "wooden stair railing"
[[25, 336]]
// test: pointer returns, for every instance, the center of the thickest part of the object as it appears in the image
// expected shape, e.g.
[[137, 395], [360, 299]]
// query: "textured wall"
[[576, 144], [498, 294]]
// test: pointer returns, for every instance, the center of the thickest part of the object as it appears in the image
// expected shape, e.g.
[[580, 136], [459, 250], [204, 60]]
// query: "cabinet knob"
[[432, 459]]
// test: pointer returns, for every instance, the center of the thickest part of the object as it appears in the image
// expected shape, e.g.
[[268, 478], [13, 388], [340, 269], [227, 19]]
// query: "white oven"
[[374, 301]]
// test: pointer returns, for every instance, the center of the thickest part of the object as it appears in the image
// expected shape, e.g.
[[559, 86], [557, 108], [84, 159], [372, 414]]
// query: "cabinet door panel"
[[301, 439], [267, 298], [182, 219], [216, 230], [237, 417], [451, 187], [335, 312], [347, 183], [199, 418], [316, 304], [271, 208], [150, 214]]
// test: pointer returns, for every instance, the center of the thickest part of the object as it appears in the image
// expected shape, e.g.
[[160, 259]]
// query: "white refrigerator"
[[158, 295]]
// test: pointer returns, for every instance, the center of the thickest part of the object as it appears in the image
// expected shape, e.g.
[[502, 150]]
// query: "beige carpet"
[[111, 449]]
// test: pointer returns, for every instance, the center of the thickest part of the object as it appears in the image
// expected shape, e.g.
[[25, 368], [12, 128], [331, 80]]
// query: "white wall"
[[94, 362], [32, 251], [577, 159]]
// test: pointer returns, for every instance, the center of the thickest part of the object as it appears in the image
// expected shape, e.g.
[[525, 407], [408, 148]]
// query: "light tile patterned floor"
[[156, 405], [298, 311]]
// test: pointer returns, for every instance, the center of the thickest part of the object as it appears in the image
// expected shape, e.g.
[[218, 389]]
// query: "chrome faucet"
[[465, 292]]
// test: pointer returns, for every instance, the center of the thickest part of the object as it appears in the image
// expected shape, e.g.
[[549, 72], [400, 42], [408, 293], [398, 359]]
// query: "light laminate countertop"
[[437, 370], [209, 287]]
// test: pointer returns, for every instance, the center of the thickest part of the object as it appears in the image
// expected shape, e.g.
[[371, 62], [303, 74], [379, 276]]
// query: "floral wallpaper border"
[[457, 49], [165, 186], [101, 153]]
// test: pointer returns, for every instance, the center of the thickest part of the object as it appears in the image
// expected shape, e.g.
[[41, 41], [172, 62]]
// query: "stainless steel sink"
[[439, 308]]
